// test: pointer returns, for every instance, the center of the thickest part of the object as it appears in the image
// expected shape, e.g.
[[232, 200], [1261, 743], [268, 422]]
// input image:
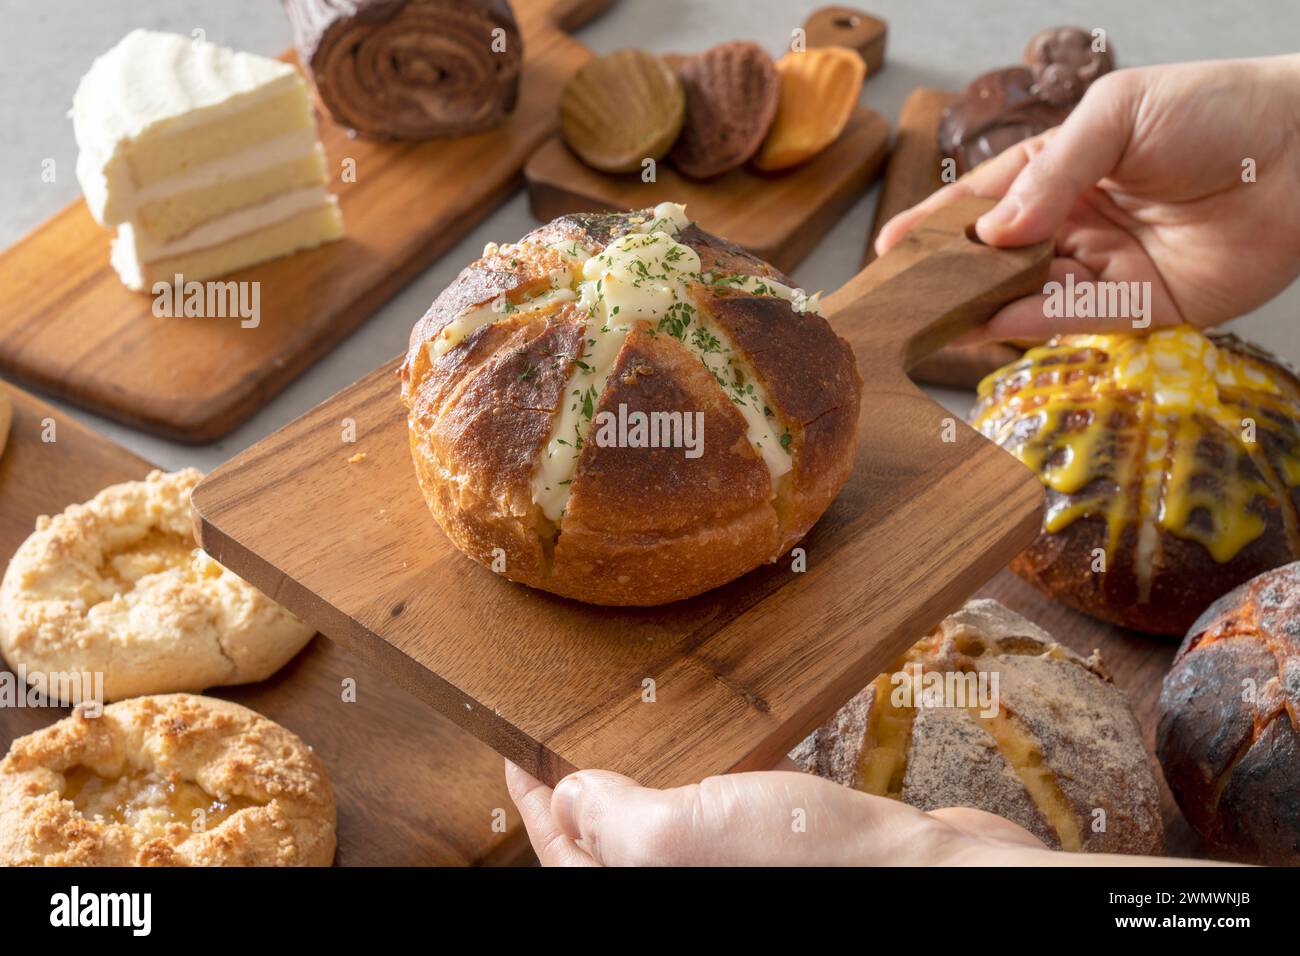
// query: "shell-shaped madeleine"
[[621, 109], [732, 92], [819, 88]]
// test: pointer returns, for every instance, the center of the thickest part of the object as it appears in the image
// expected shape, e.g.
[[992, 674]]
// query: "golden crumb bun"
[[625, 409], [1172, 467], [175, 780], [988, 711], [117, 586]]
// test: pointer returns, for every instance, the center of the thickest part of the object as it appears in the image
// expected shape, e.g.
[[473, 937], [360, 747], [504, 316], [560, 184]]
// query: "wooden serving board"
[[739, 674], [71, 329], [412, 788], [778, 217], [913, 173], [1137, 662]]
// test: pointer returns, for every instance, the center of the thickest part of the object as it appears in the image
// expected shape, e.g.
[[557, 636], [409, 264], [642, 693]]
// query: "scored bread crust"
[[1088, 737], [642, 526], [1228, 735], [228, 750], [1184, 577]]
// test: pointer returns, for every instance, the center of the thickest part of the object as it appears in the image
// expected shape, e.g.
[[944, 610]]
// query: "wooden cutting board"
[[412, 789], [1137, 662], [913, 173], [71, 329], [779, 217], [739, 674]]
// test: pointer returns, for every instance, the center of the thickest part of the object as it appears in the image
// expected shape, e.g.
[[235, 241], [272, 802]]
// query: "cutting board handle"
[[939, 281]]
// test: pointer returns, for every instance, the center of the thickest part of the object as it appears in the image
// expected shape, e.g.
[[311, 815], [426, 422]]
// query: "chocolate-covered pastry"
[[410, 69], [1064, 63], [732, 92], [1003, 107], [998, 110]]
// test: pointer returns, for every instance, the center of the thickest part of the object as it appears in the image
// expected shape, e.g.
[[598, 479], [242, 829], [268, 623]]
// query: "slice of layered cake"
[[204, 158]]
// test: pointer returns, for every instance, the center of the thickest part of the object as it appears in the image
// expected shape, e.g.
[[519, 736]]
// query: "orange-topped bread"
[[1172, 468]]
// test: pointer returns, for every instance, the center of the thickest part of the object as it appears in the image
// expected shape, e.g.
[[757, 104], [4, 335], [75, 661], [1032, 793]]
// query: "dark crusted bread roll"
[[1229, 732], [1172, 466], [625, 409], [410, 69], [1052, 745]]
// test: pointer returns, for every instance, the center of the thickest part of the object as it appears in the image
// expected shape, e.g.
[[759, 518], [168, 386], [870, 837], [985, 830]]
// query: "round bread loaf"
[[625, 409], [988, 711], [1172, 467], [1229, 731]]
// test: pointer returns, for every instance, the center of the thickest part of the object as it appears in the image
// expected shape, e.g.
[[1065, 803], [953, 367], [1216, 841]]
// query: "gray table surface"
[[46, 45]]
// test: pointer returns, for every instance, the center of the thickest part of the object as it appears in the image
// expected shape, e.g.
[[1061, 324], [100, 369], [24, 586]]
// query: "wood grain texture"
[[73, 330], [779, 217], [913, 171], [1137, 662], [912, 174], [741, 673], [855, 29], [412, 789]]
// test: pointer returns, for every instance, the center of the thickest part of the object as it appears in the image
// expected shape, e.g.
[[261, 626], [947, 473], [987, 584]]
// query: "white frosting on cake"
[[161, 116], [159, 84]]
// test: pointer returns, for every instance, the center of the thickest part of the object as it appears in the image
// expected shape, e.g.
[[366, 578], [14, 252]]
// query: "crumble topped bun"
[[118, 586], [173, 780]]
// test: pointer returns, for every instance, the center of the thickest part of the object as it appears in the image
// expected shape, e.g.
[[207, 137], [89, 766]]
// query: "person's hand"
[[777, 818], [1144, 182], [596, 818]]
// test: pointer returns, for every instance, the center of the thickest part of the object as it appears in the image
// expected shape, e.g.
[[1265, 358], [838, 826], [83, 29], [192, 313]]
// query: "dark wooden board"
[[912, 174], [848, 27], [412, 788], [1137, 662], [741, 673], [71, 329]]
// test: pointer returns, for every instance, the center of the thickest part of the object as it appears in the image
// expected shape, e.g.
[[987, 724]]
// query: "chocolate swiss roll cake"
[[1171, 463], [410, 69]]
